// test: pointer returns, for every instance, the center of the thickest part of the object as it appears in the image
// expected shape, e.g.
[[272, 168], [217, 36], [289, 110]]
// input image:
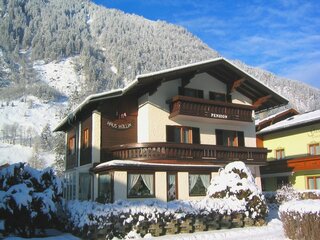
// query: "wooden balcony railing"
[[183, 105], [192, 153]]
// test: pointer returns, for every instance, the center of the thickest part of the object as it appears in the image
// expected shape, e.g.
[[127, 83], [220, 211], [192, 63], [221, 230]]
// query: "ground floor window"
[[69, 190], [104, 188], [84, 186], [313, 182], [172, 186], [140, 185], [198, 184]]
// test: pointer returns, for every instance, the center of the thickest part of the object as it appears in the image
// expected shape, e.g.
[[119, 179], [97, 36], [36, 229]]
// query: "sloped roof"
[[277, 117], [294, 121], [219, 68]]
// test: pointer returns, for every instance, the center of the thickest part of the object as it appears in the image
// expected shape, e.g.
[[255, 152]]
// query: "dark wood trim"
[[183, 152], [236, 84], [184, 105], [257, 103]]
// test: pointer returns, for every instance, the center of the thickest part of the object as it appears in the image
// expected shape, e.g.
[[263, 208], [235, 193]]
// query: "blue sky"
[[282, 36]]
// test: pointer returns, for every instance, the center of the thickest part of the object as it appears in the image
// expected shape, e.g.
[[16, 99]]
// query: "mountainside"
[[54, 52]]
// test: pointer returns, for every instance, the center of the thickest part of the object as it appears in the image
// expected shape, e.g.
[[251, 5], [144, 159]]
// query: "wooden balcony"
[[163, 152], [183, 105]]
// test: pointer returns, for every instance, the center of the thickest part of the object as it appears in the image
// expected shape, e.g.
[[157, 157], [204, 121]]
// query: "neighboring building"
[[166, 134], [295, 153]]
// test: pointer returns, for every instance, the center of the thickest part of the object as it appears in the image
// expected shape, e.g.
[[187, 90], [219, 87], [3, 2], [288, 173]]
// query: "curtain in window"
[[148, 181], [132, 180], [205, 179], [192, 180]]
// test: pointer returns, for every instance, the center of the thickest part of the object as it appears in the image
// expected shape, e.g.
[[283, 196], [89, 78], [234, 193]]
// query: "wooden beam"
[[261, 100], [236, 84]]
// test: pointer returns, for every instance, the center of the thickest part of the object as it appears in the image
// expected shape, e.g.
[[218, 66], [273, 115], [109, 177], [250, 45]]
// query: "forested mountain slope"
[[111, 48], [53, 53]]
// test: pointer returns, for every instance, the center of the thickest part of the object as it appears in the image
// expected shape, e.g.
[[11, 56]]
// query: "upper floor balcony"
[[191, 106], [183, 153]]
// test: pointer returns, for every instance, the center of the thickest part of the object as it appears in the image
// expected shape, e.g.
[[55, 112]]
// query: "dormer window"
[[216, 96], [190, 92]]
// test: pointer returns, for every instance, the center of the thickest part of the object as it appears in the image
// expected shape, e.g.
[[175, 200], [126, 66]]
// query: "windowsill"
[[197, 195]]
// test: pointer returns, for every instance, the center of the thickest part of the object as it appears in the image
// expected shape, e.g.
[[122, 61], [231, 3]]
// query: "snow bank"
[[301, 206]]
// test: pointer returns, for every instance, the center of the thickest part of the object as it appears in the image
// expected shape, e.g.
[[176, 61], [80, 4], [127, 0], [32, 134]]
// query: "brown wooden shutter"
[[195, 135], [170, 133], [240, 139], [219, 137]]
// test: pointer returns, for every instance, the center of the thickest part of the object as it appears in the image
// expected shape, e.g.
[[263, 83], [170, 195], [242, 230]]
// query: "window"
[[172, 187], [198, 184], [279, 154], [140, 185], [85, 138], [72, 147], [69, 191], [104, 188], [313, 182], [84, 186], [190, 92], [229, 138], [217, 96], [314, 149], [179, 134]]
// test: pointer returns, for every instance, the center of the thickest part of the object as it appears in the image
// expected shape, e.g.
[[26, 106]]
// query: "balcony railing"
[[192, 153], [183, 105]]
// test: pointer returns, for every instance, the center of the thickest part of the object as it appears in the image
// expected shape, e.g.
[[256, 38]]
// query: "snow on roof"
[[258, 121], [293, 121], [123, 163]]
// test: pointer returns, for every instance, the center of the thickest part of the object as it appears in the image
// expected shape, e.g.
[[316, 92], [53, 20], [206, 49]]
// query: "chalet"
[[166, 134], [294, 156]]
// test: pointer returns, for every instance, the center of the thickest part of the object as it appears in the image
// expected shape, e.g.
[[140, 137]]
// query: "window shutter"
[[195, 136], [170, 133], [240, 139], [219, 137]]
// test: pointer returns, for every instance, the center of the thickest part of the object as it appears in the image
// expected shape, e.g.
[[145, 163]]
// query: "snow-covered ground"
[[25, 118], [60, 75], [273, 231], [29, 114], [14, 153]]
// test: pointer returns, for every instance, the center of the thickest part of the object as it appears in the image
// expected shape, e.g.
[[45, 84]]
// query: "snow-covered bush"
[[28, 198], [121, 217], [287, 193], [301, 219], [235, 181]]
